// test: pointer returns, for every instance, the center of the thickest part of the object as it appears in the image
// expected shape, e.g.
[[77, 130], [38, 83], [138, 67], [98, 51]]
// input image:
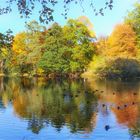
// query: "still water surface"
[[37, 109]]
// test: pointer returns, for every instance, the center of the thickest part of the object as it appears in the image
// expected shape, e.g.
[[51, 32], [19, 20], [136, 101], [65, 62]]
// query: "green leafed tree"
[[6, 41], [68, 49], [27, 48], [55, 58], [79, 39], [133, 19]]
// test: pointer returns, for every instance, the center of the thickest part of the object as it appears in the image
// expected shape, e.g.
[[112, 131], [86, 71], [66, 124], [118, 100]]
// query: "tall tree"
[[122, 42], [6, 41], [55, 58], [133, 19], [79, 38], [27, 47], [68, 49]]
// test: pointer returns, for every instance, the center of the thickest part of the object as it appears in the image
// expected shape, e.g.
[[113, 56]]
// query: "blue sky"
[[103, 25]]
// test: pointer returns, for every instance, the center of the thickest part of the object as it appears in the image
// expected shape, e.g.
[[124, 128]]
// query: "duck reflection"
[[78, 105], [122, 99]]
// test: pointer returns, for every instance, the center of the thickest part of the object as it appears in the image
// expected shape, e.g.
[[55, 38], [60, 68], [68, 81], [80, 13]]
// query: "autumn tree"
[[68, 49], [19, 44], [79, 38], [35, 39], [122, 42], [55, 58], [116, 55], [27, 47], [6, 41], [102, 45], [20, 51]]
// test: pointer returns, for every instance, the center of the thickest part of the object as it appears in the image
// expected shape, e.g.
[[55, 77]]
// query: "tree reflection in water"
[[123, 98], [53, 102], [75, 104]]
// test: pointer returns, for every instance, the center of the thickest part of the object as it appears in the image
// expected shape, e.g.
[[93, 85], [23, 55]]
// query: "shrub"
[[119, 68]]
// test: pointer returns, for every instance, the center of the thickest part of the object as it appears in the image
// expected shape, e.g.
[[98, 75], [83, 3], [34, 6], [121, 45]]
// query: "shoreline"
[[84, 75]]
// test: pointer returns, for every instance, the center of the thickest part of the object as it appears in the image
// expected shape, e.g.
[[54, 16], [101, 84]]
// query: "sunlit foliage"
[[57, 50], [133, 19], [122, 42]]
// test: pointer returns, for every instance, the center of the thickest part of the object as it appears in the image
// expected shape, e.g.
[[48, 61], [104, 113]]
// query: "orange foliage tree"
[[122, 42], [19, 44]]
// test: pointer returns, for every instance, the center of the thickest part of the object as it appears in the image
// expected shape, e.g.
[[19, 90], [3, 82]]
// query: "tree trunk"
[[1, 66]]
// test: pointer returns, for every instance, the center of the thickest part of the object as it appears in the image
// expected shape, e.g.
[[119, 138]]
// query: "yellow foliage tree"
[[122, 42], [102, 45], [19, 44]]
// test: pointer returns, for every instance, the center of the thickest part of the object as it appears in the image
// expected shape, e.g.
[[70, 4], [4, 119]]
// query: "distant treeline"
[[56, 51]]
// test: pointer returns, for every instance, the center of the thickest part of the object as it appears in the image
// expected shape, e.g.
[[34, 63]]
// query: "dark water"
[[37, 109]]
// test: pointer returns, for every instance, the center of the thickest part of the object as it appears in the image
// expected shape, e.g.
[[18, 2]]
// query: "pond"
[[39, 109]]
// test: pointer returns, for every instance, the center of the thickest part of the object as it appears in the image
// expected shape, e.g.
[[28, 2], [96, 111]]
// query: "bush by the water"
[[119, 68]]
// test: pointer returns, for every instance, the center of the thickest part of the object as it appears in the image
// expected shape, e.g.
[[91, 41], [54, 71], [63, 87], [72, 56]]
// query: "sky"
[[103, 25]]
